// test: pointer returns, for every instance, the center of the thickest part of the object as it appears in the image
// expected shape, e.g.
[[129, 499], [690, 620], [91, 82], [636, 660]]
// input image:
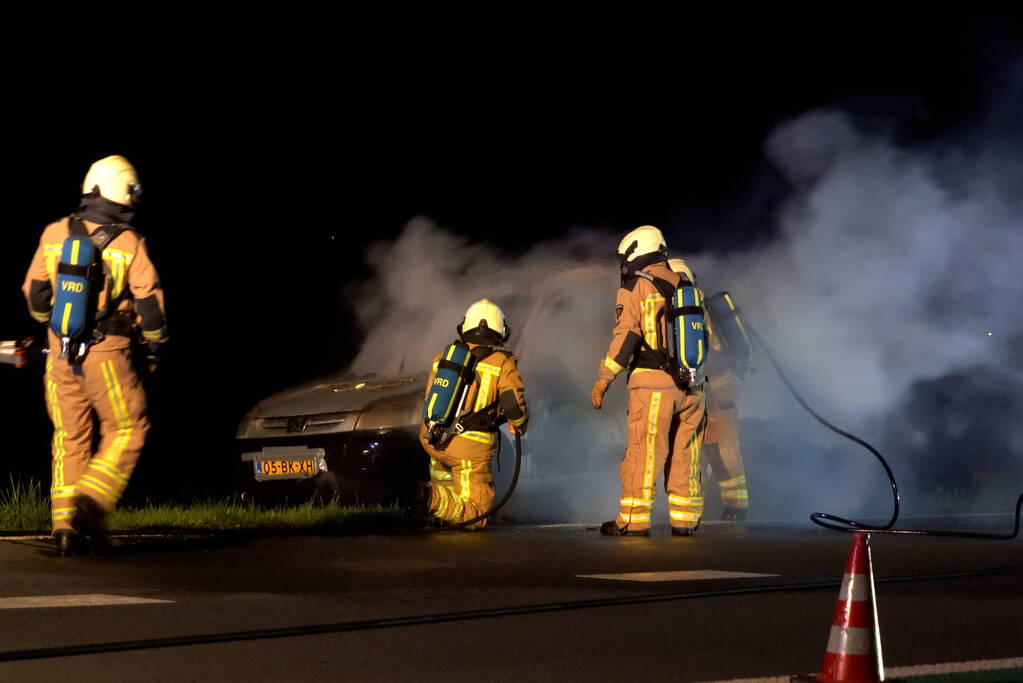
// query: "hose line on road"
[[467, 615], [836, 523]]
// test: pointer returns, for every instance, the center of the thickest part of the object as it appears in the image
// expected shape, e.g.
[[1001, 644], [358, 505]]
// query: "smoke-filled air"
[[889, 293]]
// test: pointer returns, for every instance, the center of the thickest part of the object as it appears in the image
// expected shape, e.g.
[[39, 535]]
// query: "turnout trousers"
[[666, 428], [721, 444], [461, 481], [105, 384]]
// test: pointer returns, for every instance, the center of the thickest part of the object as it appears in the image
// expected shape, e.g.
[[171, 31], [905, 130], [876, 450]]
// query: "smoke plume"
[[889, 294]]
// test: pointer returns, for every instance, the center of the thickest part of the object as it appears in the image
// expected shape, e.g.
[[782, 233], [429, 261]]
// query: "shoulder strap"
[[105, 234], [76, 228]]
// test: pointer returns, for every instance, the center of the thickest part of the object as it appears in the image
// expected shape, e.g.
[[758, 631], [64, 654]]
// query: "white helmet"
[[484, 320], [115, 179], [644, 240], [679, 266]]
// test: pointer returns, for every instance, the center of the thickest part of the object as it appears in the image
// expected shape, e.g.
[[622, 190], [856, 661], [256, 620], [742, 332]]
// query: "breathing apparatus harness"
[[81, 275], [683, 353], [836, 523]]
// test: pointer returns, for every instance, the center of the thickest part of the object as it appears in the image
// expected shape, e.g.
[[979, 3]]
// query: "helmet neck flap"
[[101, 210]]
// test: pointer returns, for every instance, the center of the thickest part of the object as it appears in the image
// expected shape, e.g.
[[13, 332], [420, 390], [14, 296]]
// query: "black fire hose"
[[496, 506], [837, 523]]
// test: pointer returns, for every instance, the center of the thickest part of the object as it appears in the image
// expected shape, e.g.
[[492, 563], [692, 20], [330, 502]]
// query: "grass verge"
[[24, 507]]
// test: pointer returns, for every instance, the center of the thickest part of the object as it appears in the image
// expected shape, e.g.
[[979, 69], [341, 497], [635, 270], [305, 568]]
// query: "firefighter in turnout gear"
[[461, 482], [97, 377], [665, 422], [721, 440]]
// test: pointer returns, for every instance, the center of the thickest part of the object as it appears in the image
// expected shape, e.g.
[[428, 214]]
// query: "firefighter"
[[100, 379], [721, 440], [461, 483], [665, 422]]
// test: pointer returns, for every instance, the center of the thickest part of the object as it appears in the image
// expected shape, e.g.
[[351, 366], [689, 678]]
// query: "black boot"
[[416, 502], [612, 529], [88, 521], [70, 543], [734, 514], [687, 531]]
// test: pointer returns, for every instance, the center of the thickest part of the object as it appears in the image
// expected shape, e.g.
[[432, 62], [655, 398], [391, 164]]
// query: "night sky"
[[268, 172]]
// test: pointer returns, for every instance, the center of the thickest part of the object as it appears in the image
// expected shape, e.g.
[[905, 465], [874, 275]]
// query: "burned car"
[[356, 436]]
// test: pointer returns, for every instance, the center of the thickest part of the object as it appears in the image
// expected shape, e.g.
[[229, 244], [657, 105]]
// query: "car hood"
[[337, 396]]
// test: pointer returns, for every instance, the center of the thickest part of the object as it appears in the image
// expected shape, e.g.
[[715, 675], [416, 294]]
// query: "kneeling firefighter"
[[473, 387], [728, 359], [92, 280], [660, 337]]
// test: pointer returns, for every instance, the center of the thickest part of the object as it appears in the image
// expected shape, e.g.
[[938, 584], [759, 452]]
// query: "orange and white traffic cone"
[[854, 645]]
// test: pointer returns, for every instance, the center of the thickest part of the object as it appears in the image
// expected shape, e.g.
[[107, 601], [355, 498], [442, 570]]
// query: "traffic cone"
[[854, 645]]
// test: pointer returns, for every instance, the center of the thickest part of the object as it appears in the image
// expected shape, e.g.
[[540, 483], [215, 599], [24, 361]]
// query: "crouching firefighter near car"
[[660, 337], [92, 280], [729, 360], [474, 387]]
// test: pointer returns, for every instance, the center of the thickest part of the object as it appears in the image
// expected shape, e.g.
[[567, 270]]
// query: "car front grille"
[[303, 423]]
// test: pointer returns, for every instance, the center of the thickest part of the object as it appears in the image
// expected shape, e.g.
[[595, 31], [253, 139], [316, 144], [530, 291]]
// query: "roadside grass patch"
[[25, 507]]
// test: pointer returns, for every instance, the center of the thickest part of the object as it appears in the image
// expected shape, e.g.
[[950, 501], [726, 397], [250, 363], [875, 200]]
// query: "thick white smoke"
[[885, 273]]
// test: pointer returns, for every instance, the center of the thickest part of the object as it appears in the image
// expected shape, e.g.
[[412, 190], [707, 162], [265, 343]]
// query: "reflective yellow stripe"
[[735, 495], [734, 481], [62, 491], [121, 414], [155, 334], [482, 437], [651, 446], [610, 364], [489, 369], [684, 516], [630, 517], [520, 420], [39, 316], [63, 321], [435, 366], [74, 252], [694, 463], [636, 502], [483, 393], [464, 479], [59, 433], [64, 514], [110, 470], [98, 486], [639, 370], [682, 500], [650, 305], [438, 472], [429, 408]]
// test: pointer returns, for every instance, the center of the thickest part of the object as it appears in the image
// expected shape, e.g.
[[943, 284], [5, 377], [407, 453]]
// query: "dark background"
[[269, 170]]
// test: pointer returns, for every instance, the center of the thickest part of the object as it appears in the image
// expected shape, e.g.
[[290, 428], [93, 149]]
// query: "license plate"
[[287, 462], [285, 468]]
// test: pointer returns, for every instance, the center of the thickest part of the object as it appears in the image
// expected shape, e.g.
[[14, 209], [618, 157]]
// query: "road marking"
[[87, 600], [918, 670], [685, 575]]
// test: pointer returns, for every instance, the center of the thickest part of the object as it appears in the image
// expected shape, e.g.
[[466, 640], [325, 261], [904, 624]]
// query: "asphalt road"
[[509, 604]]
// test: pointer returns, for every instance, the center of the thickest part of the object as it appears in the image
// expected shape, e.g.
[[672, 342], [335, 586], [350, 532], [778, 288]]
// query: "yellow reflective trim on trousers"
[[121, 415], [482, 437], [68, 514], [40, 316], [611, 365], [62, 491], [694, 464], [636, 502], [464, 479], [682, 500], [684, 516], [735, 495], [629, 517], [442, 501], [110, 470], [59, 433], [153, 335], [98, 487], [733, 482], [438, 472], [651, 445]]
